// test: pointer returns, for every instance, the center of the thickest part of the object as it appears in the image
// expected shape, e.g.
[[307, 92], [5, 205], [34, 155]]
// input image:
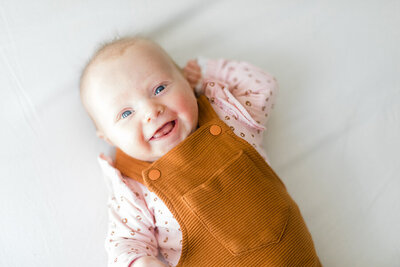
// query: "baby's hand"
[[192, 72], [148, 261]]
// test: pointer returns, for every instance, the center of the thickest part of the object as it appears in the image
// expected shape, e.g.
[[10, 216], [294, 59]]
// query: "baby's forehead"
[[128, 60], [138, 62]]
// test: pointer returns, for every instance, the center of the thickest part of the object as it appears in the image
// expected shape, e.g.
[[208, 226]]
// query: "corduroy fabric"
[[232, 208]]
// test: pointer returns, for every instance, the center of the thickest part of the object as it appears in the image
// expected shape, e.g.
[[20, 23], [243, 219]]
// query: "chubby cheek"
[[186, 108], [132, 141]]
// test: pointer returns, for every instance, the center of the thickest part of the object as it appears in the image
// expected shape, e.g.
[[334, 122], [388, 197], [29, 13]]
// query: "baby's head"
[[138, 98]]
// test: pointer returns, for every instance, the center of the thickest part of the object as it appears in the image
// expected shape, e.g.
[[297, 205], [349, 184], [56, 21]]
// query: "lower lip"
[[172, 132]]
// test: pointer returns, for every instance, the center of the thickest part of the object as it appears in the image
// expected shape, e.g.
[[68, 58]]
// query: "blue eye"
[[159, 89], [126, 114]]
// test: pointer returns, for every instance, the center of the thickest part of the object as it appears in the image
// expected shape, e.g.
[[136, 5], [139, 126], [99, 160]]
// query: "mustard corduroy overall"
[[232, 208]]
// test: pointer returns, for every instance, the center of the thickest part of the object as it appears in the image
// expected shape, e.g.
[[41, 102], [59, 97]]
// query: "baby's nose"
[[149, 118], [154, 113]]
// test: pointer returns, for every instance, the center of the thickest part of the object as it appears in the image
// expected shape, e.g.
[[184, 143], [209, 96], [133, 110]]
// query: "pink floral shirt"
[[139, 222]]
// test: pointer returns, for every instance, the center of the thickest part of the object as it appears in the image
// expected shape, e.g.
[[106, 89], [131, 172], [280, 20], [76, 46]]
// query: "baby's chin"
[[158, 151], [149, 156]]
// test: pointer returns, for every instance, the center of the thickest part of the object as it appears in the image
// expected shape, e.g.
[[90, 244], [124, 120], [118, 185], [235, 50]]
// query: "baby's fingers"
[[192, 64], [191, 75]]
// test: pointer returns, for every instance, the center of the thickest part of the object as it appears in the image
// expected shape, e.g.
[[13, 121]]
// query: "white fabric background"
[[333, 137]]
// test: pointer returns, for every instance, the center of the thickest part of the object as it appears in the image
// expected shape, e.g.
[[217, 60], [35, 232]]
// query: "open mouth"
[[164, 130]]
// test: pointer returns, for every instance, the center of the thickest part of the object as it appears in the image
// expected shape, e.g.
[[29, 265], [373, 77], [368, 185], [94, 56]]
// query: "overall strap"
[[206, 111]]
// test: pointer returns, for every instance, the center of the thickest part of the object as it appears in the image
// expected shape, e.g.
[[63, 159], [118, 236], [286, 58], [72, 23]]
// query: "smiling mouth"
[[164, 130]]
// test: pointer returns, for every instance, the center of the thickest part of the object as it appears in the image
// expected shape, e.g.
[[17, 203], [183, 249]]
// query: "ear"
[[101, 135]]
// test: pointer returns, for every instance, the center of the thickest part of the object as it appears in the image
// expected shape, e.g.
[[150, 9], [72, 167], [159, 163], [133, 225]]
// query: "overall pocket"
[[241, 206]]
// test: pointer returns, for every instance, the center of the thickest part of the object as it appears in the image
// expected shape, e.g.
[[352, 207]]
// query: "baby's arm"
[[130, 239], [252, 87]]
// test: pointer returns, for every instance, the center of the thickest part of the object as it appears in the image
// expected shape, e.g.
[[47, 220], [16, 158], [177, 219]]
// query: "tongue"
[[164, 130]]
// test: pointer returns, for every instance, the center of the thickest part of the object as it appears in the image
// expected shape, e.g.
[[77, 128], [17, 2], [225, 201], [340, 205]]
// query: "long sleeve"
[[241, 94], [241, 85], [131, 232]]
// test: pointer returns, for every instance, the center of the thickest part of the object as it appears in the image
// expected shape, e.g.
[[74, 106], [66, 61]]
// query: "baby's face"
[[141, 102]]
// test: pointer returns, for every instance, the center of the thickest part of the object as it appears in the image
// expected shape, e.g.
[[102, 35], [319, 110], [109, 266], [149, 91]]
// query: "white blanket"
[[333, 136]]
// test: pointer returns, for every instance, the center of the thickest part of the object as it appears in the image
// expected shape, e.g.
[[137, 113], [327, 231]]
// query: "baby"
[[190, 178]]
